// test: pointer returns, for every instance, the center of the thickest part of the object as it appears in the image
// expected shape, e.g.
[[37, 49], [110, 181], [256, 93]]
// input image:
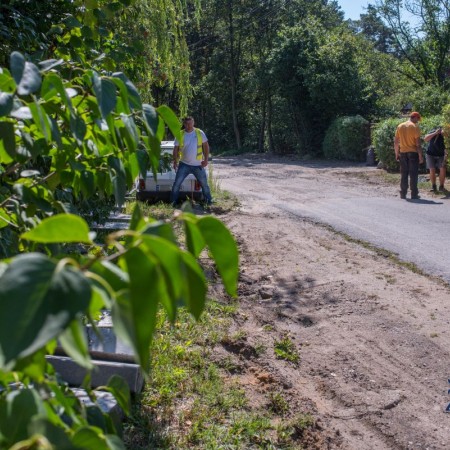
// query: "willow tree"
[[144, 38]]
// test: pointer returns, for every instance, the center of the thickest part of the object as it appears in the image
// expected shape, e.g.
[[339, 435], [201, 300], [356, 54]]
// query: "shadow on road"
[[424, 202]]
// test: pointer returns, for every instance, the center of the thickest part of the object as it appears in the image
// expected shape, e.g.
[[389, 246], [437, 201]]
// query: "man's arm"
[[176, 151], [430, 136], [397, 148], [419, 150], [205, 147]]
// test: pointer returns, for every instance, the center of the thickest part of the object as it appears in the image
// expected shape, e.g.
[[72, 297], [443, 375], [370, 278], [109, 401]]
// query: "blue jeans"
[[199, 173]]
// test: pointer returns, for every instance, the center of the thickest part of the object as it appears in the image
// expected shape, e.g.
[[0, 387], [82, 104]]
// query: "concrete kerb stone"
[[73, 374], [110, 356]]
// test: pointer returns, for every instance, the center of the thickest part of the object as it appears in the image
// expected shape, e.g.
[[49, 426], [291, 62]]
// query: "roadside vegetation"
[[192, 400]]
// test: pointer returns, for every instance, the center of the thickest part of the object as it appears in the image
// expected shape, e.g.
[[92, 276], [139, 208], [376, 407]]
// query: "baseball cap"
[[415, 114]]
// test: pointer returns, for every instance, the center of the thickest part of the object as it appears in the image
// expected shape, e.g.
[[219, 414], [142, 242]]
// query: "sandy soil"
[[372, 335]]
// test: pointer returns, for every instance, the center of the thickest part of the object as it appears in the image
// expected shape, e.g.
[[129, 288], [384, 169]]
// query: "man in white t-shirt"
[[190, 155]]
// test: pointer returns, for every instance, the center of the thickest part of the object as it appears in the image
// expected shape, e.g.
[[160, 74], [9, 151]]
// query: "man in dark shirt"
[[436, 157]]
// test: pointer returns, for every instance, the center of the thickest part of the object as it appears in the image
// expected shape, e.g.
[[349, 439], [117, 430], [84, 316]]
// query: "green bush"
[[383, 138], [346, 138]]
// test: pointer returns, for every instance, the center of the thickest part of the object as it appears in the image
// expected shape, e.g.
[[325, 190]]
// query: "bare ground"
[[372, 335]]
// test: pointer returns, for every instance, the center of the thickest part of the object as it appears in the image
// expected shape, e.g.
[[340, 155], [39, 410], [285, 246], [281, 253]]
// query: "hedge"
[[346, 138]]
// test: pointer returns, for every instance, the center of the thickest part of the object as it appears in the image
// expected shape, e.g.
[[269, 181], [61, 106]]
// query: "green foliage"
[[383, 141], [423, 47], [383, 138], [71, 133], [285, 349], [346, 138], [125, 35]]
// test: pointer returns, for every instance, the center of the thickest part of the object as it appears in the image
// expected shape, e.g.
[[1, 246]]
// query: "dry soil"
[[372, 334]]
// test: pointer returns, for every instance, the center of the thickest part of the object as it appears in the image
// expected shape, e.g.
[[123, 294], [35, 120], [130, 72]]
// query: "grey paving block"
[[105, 400], [105, 345], [74, 374]]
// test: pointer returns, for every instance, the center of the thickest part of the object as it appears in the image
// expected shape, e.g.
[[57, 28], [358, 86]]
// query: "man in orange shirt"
[[409, 152]]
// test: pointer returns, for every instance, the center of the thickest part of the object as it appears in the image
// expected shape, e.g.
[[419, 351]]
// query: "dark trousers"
[[409, 166]]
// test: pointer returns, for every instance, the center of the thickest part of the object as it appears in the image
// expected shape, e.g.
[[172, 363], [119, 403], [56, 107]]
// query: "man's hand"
[[204, 163], [420, 158], [397, 156], [175, 165]]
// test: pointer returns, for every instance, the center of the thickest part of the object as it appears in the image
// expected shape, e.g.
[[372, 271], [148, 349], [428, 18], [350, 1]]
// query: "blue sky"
[[353, 8]]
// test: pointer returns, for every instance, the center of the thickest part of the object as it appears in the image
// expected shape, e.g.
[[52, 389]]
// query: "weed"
[[260, 349], [285, 349], [294, 428], [239, 335], [277, 403], [267, 327]]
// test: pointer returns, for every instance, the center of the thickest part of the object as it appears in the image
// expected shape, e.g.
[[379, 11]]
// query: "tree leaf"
[[89, 437], [195, 285], [133, 139], [17, 65], [78, 128], [25, 74], [7, 142], [41, 120], [194, 239], [38, 301], [143, 162], [171, 120], [151, 118], [133, 94], [7, 83], [60, 228], [121, 391], [54, 434], [74, 343], [136, 217], [139, 312], [105, 91], [112, 274], [118, 179], [87, 183], [16, 413], [224, 251], [6, 103]]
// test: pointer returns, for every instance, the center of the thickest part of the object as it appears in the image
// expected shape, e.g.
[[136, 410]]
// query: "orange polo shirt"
[[407, 133]]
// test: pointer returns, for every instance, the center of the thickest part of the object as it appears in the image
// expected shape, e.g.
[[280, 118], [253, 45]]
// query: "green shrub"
[[383, 138], [346, 138]]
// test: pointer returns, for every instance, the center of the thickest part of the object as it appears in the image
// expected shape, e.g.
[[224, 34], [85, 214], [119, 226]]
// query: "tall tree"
[[422, 32]]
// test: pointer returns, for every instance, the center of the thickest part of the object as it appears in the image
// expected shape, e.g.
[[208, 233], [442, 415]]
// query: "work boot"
[[434, 188]]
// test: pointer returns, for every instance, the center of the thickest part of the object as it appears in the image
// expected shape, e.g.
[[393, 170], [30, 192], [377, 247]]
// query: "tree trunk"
[[262, 127], [269, 126], [233, 77]]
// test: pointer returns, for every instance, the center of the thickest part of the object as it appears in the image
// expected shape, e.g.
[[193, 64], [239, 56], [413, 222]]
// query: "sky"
[[353, 8]]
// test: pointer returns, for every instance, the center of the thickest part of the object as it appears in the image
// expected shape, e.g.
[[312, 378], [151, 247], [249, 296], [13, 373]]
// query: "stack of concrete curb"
[[110, 356]]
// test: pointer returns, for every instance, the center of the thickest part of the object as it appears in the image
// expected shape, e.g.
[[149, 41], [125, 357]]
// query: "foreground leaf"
[[37, 302], [224, 251], [60, 228]]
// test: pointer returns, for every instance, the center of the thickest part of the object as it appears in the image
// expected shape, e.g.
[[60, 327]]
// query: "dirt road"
[[372, 335]]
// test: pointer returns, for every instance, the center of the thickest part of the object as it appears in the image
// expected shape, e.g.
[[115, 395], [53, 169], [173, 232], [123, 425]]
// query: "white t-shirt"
[[189, 150]]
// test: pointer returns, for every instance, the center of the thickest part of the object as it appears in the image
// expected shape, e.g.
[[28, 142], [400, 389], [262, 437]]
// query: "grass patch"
[[192, 402], [285, 349]]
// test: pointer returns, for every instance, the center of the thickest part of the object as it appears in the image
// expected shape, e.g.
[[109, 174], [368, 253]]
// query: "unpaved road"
[[372, 335]]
